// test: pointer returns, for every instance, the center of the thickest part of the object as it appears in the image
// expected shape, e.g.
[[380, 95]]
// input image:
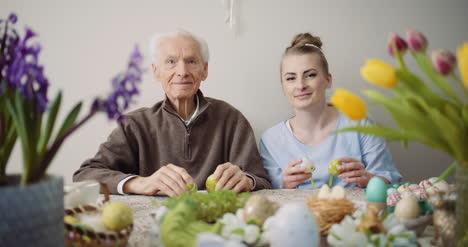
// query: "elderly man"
[[181, 140]]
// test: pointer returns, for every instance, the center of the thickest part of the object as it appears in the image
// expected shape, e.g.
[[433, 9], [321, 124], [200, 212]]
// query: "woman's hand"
[[293, 176], [353, 171]]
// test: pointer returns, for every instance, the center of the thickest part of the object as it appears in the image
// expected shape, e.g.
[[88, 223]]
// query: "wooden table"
[[143, 206]]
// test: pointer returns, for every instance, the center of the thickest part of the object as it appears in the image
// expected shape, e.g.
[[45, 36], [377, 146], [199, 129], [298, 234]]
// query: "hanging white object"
[[231, 13]]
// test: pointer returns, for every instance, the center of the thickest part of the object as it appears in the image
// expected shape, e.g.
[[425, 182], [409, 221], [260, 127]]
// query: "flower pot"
[[461, 228], [32, 215]]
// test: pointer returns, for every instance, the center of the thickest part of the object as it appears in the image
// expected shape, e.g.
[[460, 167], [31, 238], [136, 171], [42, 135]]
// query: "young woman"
[[310, 133]]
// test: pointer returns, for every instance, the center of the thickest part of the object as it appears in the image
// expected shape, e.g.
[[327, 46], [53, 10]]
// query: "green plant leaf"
[[53, 111], [408, 117], [440, 81], [450, 132], [419, 88], [70, 120], [412, 120], [375, 130], [465, 114]]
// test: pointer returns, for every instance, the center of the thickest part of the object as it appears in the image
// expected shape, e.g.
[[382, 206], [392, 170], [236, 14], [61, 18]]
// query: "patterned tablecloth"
[[143, 206]]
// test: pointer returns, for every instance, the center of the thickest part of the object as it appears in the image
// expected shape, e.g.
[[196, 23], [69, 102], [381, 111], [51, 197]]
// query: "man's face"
[[180, 67]]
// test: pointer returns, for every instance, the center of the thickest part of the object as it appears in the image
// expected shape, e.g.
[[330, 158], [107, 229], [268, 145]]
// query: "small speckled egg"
[[376, 190], [432, 190], [393, 199], [407, 208], [442, 186], [425, 184], [432, 180], [403, 188], [413, 187], [392, 191], [408, 194], [420, 194]]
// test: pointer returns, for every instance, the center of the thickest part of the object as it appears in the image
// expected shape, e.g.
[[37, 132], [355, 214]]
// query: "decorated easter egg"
[[393, 199], [333, 167], [308, 165], [425, 184], [408, 194], [391, 191], [407, 208], [413, 187], [420, 194], [403, 188], [442, 186], [376, 190]]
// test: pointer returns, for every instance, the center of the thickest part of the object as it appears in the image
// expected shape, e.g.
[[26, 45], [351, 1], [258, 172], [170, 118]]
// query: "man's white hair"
[[155, 44]]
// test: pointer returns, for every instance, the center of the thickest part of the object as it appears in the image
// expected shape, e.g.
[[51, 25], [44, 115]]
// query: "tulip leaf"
[[438, 80], [450, 132], [418, 87], [70, 120], [53, 111], [453, 114], [465, 114], [410, 119], [375, 130]]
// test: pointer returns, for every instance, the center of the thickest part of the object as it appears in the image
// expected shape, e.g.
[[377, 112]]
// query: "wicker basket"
[[77, 236]]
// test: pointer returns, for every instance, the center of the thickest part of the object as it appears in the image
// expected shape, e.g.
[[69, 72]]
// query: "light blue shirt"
[[278, 147]]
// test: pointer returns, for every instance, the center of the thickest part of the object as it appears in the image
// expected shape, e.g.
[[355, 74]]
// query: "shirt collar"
[[187, 122]]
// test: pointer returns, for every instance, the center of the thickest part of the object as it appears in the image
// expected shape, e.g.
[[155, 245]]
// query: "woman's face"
[[304, 80]]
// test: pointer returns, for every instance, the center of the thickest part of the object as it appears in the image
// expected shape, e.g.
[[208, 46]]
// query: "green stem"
[[312, 182], [448, 172], [330, 181], [398, 58]]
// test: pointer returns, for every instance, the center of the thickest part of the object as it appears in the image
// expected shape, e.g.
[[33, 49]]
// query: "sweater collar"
[[202, 105]]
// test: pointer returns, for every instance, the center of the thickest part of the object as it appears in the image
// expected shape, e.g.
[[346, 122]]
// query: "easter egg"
[[376, 190], [333, 167], [407, 208], [308, 165], [210, 183]]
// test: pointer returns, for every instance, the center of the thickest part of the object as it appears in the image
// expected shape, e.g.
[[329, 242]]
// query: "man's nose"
[[181, 69]]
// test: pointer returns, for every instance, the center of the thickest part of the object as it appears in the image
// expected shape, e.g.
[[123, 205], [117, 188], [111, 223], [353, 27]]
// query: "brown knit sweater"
[[150, 138]]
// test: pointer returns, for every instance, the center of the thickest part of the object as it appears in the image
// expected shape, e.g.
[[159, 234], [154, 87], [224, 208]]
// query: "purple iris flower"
[[125, 86]]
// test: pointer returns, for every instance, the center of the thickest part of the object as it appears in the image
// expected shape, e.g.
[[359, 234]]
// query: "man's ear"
[[205, 72], [155, 72]]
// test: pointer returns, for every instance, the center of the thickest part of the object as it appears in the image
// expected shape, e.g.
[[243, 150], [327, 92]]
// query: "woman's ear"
[[329, 80]]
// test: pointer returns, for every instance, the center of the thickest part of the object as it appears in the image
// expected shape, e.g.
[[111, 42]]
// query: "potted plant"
[[31, 207], [436, 118]]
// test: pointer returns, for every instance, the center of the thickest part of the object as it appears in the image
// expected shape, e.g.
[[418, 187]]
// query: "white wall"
[[86, 42]]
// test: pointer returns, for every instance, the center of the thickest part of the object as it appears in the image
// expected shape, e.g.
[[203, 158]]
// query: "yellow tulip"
[[462, 57], [349, 104], [380, 73]]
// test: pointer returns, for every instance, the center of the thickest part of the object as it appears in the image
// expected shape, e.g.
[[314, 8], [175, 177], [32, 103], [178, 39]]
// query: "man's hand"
[[293, 176], [353, 171], [231, 177], [171, 180]]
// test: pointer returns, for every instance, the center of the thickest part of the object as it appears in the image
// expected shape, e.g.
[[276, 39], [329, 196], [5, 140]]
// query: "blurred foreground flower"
[[380, 73], [348, 103], [25, 112]]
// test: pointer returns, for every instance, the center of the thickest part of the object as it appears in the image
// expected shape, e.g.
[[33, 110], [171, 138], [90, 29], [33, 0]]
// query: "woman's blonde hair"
[[305, 43]]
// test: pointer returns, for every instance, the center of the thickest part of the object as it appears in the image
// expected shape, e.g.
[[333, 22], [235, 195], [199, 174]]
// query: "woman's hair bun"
[[306, 38]]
